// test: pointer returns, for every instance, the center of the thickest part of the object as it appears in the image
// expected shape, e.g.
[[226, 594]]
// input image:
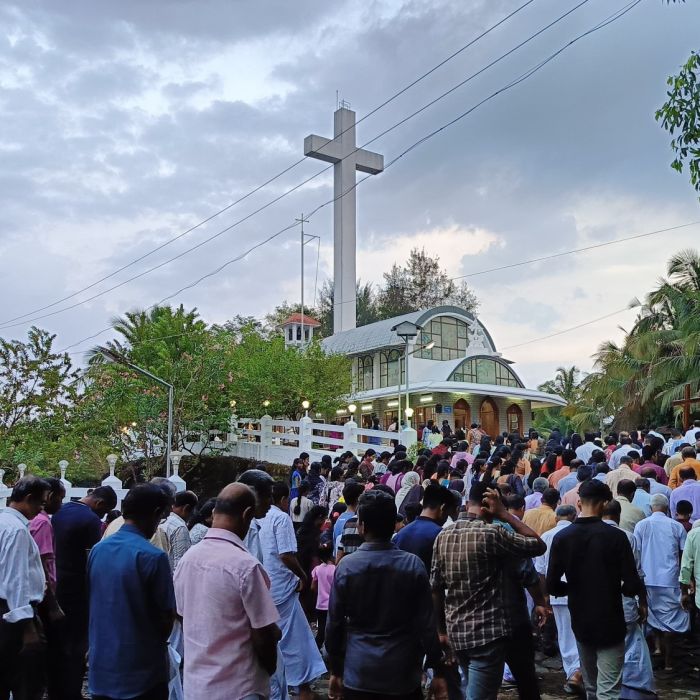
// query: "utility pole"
[[305, 238]]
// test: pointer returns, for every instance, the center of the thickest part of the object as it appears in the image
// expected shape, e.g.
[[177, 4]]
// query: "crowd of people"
[[392, 575]]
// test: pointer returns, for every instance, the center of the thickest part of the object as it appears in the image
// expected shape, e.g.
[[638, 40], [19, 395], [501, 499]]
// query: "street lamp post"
[[305, 405], [116, 358], [405, 330]]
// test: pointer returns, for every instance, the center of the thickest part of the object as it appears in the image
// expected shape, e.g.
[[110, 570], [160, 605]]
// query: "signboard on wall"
[[447, 410]]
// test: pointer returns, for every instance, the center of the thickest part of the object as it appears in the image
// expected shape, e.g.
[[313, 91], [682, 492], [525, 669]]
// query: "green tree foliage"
[[266, 370], [367, 308], [420, 284], [637, 381], [567, 383], [680, 116], [38, 392]]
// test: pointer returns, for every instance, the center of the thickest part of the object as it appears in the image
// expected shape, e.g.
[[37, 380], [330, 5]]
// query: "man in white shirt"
[[625, 447], [22, 586], [689, 436], [299, 662], [689, 490], [560, 606], [660, 541], [175, 526], [584, 452]]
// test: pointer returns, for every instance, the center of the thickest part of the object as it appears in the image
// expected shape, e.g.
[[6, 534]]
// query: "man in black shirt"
[[598, 564]]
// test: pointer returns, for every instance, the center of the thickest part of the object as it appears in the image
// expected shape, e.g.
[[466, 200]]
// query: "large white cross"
[[347, 157]]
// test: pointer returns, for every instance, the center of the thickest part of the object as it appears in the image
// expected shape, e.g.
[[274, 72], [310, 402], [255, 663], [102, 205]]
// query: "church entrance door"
[[462, 414], [488, 415]]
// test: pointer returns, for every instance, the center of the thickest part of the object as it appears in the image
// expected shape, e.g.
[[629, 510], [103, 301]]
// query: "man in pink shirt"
[[649, 454], [229, 618], [42, 531]]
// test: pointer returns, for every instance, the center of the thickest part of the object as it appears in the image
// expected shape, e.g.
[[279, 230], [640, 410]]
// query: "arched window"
[[365, 373], [514, 419], [450, 338], [488, 417], [484, 370], [389, 373]]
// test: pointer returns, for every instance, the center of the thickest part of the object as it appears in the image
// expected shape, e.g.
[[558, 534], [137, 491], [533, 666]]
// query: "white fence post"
[[112, 480], [305, 434], [408, 437], [349, 436], [63, 466], [265, 437], [5, 491], [175, 477]]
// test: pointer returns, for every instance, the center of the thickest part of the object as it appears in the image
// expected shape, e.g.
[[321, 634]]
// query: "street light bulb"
[[266, 403], [305, 405], [232, 403], [352, 408], [133, 424], [409, 413]]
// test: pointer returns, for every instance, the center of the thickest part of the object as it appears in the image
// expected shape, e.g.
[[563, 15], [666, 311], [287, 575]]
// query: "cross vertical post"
[[346, 157]]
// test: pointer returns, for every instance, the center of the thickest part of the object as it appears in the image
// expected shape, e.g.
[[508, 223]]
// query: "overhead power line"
[[561, 254], [611, 18], [202, 243], [568, 330], [283, 172]]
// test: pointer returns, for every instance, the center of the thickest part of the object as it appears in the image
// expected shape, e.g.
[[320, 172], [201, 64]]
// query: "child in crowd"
[[321, 582]]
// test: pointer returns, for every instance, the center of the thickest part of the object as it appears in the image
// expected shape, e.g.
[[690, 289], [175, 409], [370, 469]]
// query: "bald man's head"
[[235, 509]]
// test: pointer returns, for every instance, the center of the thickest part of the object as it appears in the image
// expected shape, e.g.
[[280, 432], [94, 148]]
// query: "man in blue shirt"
[[351, 494], [77, 528], [419, 536], [132, 605]]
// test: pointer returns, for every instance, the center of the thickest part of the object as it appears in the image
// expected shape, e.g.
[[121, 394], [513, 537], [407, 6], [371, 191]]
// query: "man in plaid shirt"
[[469, 559]]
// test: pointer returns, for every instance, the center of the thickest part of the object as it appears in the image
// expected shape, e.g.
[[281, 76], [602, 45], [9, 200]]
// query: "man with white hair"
[[560, 606], [534, 500], [660, 541]]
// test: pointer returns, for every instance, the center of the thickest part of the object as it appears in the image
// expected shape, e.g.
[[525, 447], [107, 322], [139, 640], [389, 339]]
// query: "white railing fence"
[[77, 492], [281, 441]]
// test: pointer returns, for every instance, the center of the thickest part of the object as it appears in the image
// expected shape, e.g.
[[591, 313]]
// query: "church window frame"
[[391, 372], [451, 338], [365, 373], [485, 370]]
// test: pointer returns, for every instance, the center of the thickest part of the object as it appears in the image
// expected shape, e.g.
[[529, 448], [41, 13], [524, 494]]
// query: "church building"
[[454, 369], [438, 363]]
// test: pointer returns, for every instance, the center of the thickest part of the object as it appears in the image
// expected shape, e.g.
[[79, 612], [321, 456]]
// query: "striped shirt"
[[469, 560]]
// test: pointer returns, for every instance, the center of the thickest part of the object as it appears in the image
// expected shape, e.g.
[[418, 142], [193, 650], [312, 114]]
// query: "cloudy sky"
[[125, 123]]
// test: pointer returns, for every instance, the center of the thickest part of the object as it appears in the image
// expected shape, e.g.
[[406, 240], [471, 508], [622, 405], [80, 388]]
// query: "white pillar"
[[175, 478], [350, 436], [305, 434], [265, 437], [63, 466], [408, 437], [5, 491], [112, 479]]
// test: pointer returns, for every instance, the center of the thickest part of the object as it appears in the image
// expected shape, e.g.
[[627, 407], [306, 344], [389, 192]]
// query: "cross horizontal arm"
[[369, 162], [323, 149]]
